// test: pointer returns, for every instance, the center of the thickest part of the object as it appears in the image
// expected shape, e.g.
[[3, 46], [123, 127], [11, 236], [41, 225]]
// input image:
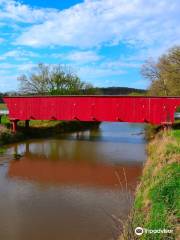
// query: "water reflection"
[[118, 143], [68, 187], [65, 173]]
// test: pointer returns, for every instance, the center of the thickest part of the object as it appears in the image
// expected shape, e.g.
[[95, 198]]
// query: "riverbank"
[[157, 205], [40, 129]]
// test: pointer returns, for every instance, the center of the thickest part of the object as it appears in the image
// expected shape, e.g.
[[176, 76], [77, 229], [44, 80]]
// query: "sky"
[[104, 41]]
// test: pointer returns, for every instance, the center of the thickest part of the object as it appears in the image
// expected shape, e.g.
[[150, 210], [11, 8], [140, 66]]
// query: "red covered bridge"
[[155, 110]]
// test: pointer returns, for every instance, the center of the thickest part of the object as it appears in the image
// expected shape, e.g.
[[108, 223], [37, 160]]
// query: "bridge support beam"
[[27, 124], [14, 125]]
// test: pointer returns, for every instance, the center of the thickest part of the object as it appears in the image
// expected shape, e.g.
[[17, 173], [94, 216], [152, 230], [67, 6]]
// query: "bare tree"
[[53, 80], [164, 75]]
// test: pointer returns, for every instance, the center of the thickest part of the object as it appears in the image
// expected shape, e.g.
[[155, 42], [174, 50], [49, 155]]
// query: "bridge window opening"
[[177, 114]]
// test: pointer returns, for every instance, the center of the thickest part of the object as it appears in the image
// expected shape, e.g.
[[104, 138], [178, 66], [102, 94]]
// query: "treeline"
[[97, 91], [121, 91]]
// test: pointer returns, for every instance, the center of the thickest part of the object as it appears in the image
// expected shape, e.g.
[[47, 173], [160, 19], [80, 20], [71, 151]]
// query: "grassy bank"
[[6, 136], [40, 129], [157, 199]]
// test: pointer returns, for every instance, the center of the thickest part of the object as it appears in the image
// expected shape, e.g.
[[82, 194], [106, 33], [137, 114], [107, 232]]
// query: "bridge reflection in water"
[[62, 162], [34, 168], [69, 187]]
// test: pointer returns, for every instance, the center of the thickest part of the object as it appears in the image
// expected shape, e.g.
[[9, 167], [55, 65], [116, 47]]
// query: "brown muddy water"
[[71, 186]]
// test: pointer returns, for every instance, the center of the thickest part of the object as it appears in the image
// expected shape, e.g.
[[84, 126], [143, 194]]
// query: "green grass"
[[176, 133], [33, 123], [40, 123], [157, 200], [3, 106], [5, 120], [172, 149], [2, 150], [164, 205], [164, 195]]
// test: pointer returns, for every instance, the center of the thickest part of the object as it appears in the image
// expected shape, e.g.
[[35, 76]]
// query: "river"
[[70, 187]]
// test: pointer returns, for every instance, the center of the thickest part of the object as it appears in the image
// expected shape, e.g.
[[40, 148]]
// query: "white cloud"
[[97, 22], [18, 54], [7, 82], [6, 65], [89, 73], [79, 57], [121, 64], [20, 68], [14, 10], [9, 73]]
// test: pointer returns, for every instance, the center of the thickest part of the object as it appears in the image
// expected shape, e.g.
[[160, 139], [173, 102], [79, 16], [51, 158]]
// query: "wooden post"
[[27, 124], [14, 125], [27, 148]]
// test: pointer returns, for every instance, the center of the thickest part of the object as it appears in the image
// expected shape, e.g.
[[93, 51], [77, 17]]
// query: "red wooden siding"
[[155, 110]]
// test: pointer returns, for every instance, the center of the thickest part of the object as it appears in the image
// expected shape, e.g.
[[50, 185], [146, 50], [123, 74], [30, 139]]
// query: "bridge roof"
[[126, 96]]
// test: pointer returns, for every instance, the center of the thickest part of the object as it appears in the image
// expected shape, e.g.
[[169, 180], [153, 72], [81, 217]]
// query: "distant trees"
[[164, 75], [53, 80]]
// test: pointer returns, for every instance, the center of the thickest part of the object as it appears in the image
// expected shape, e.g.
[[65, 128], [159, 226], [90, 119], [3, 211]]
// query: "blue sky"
[[104, 41]]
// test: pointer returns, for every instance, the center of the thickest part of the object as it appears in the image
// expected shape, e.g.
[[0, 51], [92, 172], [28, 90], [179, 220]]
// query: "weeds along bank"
[[157, 200]]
